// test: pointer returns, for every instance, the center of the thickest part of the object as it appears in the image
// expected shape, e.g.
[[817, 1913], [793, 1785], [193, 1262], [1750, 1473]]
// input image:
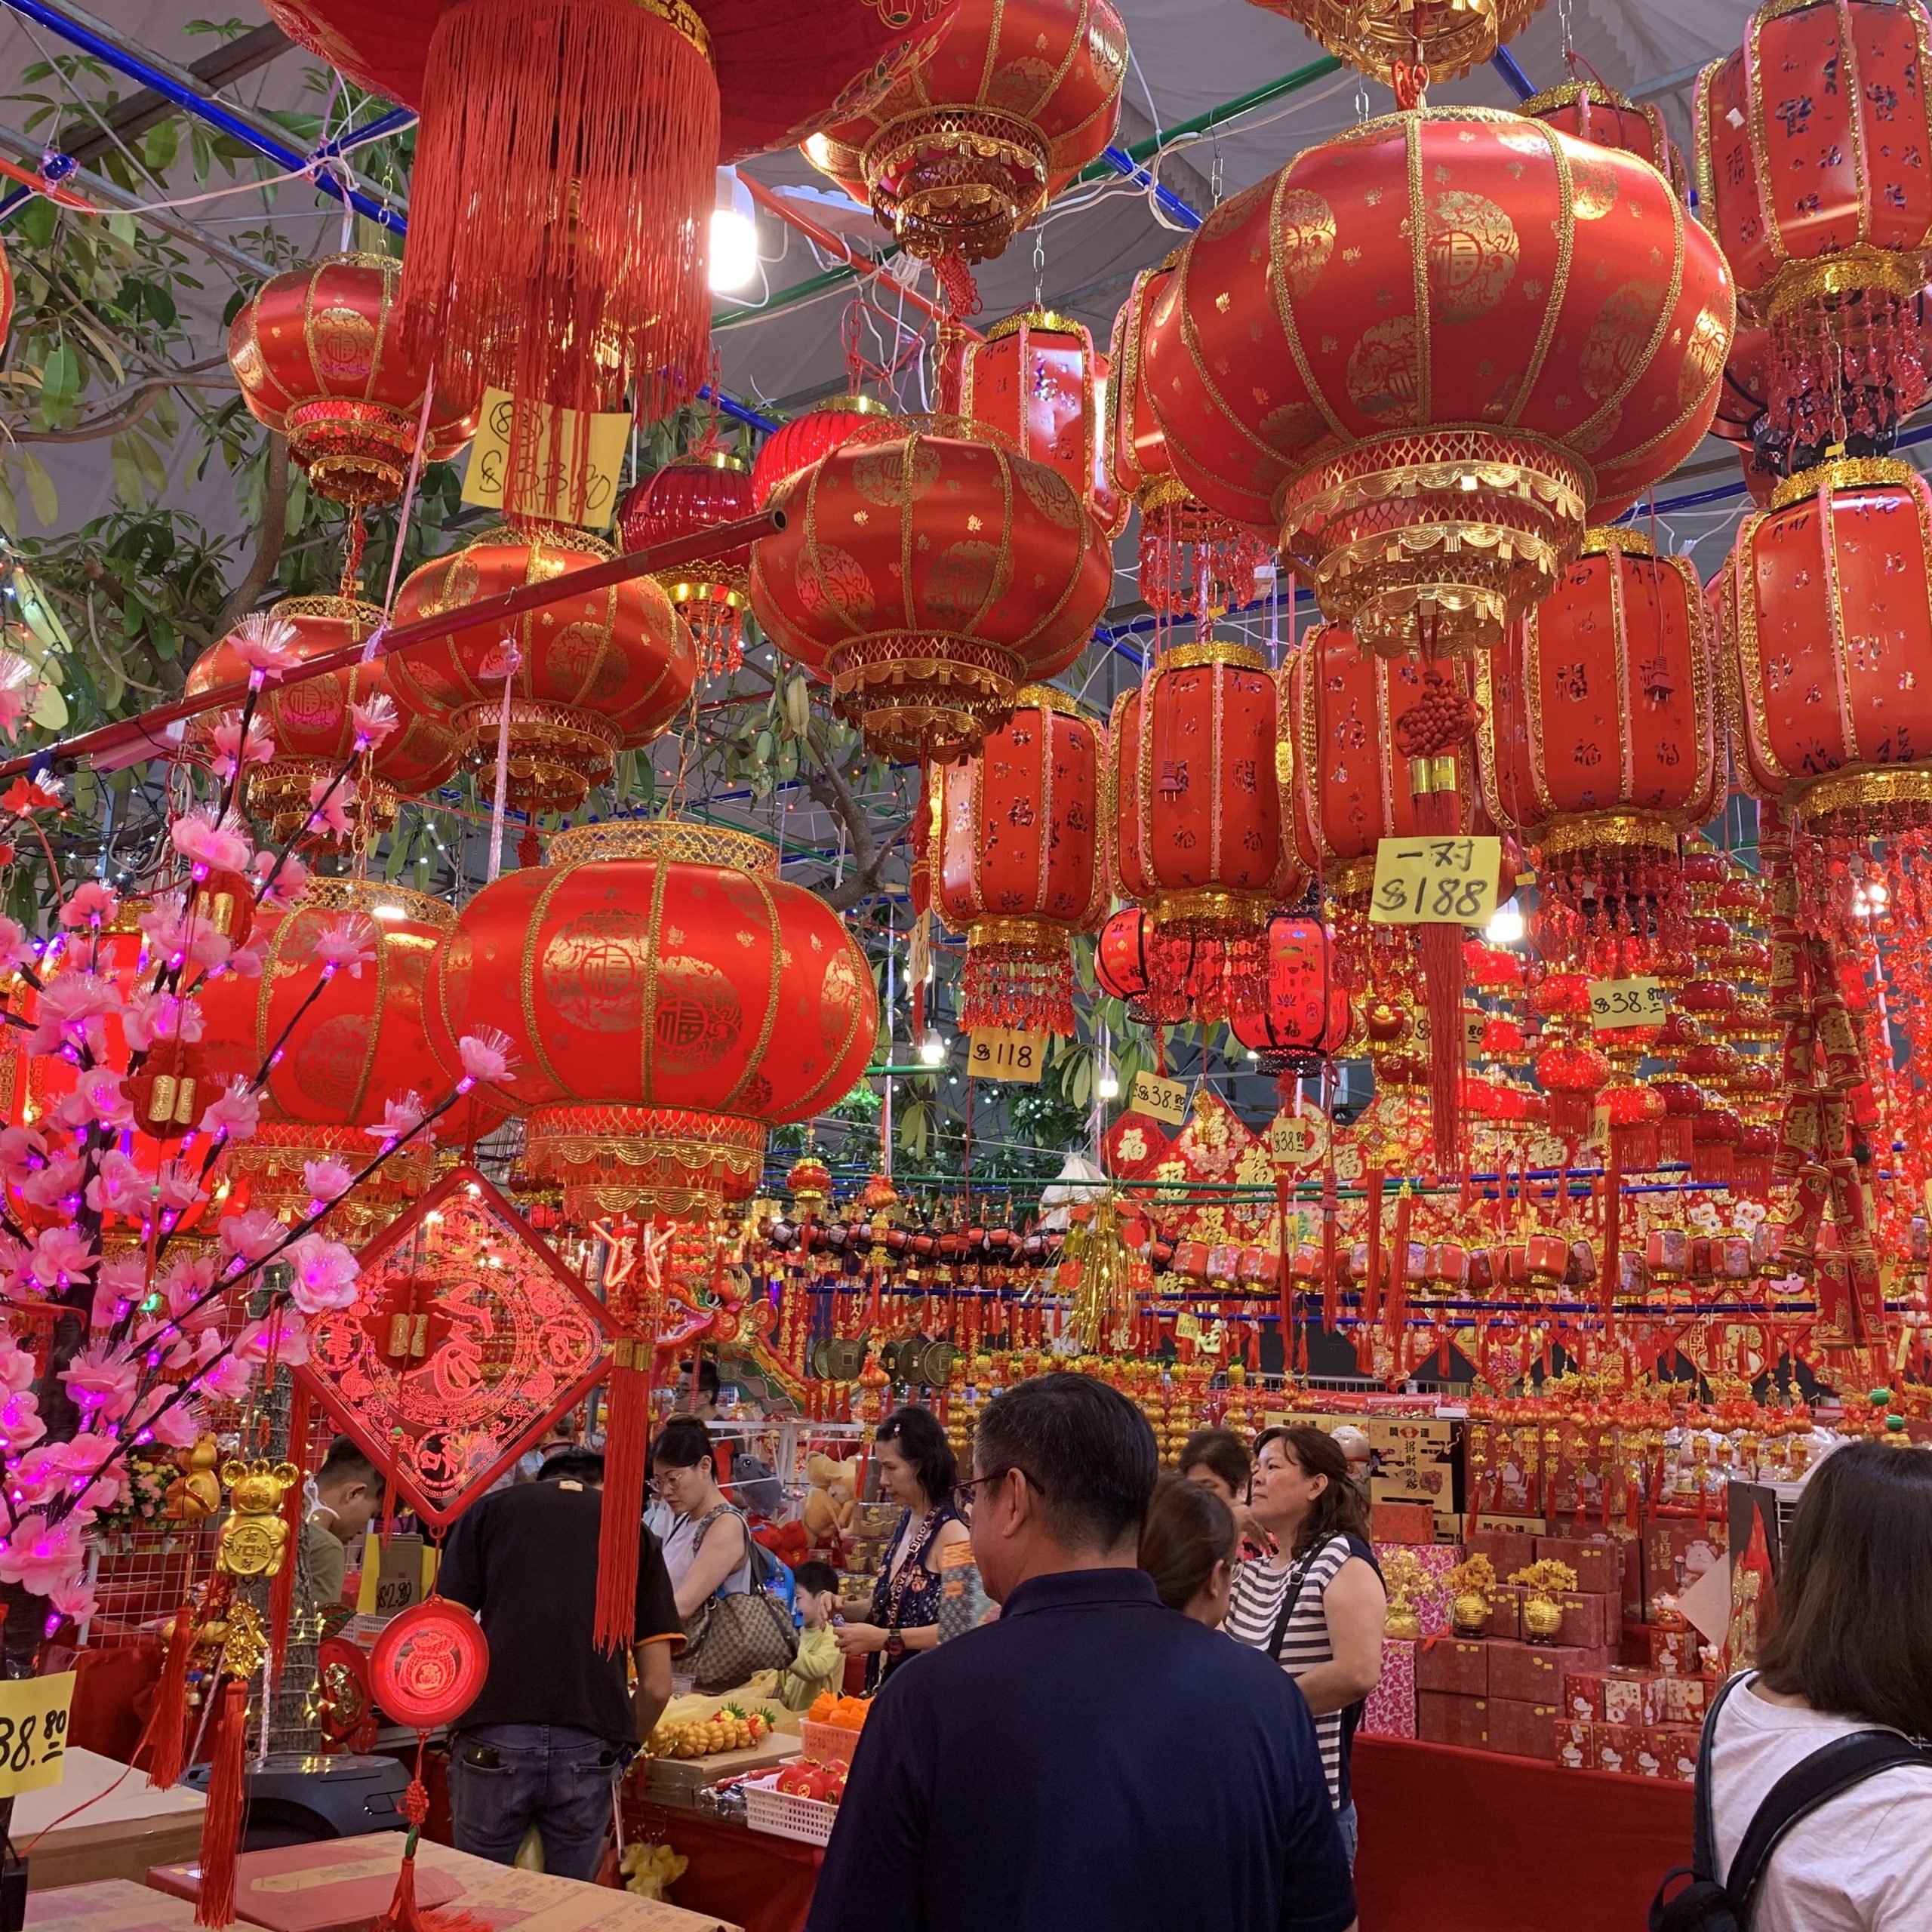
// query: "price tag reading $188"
[[1444, 881]]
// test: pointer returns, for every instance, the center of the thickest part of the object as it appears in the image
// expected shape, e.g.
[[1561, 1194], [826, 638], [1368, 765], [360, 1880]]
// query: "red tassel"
[[627, 1450], [404, 1914], [164, 1739], [1398, 1283], [1371, 1299], [221, 1824], [282, 1586]]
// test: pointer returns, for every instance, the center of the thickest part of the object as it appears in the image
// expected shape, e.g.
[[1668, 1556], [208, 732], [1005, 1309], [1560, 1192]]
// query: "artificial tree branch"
[[274, 533], [829, 789]]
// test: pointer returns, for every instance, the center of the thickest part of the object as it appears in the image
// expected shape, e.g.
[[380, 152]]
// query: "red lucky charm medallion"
[[467, 1338], [428, 1664]]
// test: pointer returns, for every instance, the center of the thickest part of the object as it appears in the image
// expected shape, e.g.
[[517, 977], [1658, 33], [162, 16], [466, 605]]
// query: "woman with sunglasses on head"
[[917, 1471], [1316, 1606]]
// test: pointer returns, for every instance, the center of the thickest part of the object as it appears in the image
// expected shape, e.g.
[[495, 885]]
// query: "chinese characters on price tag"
[[1435, 881], [998, 1053], [33, 1731], [540, 487], [1164, 1100], [1639, 1002]]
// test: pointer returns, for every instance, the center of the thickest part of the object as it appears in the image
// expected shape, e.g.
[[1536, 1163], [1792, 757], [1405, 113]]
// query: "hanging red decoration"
[[428, 1664], [1168, 977], [1593, 111], [795, 445], [1811, 170], [1297, 1016], [686, 497], [1016, 862]]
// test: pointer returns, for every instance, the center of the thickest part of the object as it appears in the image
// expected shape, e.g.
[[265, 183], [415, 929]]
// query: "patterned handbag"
[[728, 1639]]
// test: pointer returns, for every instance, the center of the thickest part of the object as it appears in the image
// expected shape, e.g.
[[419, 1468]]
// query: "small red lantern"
[[688, 497], [1571, 1074], [794, 446], [1297, 1016], [1590, 111]]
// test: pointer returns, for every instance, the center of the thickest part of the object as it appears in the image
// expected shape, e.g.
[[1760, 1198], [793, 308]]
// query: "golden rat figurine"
[[254, 1540]]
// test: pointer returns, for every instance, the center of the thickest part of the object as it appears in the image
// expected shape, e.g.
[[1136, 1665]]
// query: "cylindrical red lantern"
[[667, 997], [1016, 862], [1590, 111], [687, 497], [794, 446], [1297, 1016], [596, 674], [927, 576]]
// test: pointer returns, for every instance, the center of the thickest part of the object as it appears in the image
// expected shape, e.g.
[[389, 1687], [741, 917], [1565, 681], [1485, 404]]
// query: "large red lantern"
[[314, 729], [1191, 561], [1600, 736], [1295, 1016], [685, 498], [1812, 140], [319, 355], [1426, 408], [971, 141], [595, 674], [795, 445], [1036, 378], [667, 997], [1590, 111], [1017, 865], [926, 575]]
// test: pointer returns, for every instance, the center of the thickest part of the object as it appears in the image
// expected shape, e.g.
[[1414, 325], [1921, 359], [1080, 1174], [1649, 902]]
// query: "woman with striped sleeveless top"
[[1318, 1604]]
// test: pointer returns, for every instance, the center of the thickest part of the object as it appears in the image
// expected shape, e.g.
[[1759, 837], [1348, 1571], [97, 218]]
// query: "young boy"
[[818, 1666]]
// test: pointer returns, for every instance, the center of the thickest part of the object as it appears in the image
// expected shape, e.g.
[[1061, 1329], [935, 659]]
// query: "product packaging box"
[[1518, 1730], [1598, 1564], [1615, 1746], [1533, 1673], [1505, 1613], [100, 1822], [1458, 1665], [1508, 1550], [1575, 1748], [1590, 1623], [1680, 1743], [106, 1905], [1444, 1718], [1684, 1699], [1390, 1710], [1676, 1555], [1402, 1523], [1659, 1646]]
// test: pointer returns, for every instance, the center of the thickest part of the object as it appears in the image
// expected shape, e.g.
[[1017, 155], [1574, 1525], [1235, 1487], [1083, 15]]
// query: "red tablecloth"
[[749, 1878], [1468, 1841]]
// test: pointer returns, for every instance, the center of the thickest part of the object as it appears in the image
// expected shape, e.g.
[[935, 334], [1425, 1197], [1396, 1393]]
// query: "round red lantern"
[[685, 498], [1037, 380], [1167, 977], [1297, 1016], [794, 446], [1016, 863], [667, 997], [1396, 40], [319, 355], [595, 674], [971, 141], [1811, 140], [314, 730], [1590, 111], [926, 574], [1426, 409], [1571, 1074], [1599, 743]]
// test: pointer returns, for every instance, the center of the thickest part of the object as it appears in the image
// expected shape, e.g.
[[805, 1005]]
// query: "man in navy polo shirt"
[[1091, 1759]]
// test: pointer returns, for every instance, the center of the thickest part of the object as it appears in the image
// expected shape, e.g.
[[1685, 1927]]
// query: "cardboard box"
[[1518, 1730], [1657, 1647], [1506, 1613], [1444, 1718], [1614, 1746], [1390, 1710], [123, 1828], [1685, 1699], [1590, 1623], [534, 1902], [1598, 1564], [1676, 1555], [1534, 1673], [1402, 1523], [1652, 1748], [1615, 1696], [107, 1904], [1508, 1550], [1575, 1749], [1680, 1743], [1458, 1665]]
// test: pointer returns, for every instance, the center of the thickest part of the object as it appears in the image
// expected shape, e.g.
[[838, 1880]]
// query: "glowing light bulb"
[[734, 261], [932, 1049], [1505, 924], [1108, 1085]]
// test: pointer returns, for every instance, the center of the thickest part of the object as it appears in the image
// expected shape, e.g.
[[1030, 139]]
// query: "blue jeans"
[[1344, 1824], [505, 1777]]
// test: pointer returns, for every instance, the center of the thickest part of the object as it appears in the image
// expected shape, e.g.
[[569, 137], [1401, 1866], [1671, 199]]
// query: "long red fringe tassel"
[[221, 1824], [164, 1741], [559, 209], [627, 1450]]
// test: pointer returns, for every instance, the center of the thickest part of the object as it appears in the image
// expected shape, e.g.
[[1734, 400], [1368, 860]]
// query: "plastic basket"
[[809, 1820], [827, 1743]]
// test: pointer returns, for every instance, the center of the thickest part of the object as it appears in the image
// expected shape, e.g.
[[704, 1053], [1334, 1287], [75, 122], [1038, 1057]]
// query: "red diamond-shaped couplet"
[[467, 1339]]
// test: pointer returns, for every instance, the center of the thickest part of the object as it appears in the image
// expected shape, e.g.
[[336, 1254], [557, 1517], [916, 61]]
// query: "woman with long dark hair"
[[1188, 1546], [1317, 1605], [1849, 1650]]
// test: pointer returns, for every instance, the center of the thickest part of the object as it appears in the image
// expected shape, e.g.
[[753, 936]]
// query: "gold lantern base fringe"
[[1019, 974], [640, 1161], [556, 753], [278, 794], [924, 694], [353, 453], [958, 181]]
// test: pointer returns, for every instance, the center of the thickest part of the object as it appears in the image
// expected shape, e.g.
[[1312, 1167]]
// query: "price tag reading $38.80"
[[33, 1731], [1164, 1100], [1443, 882], [1638, 1002]]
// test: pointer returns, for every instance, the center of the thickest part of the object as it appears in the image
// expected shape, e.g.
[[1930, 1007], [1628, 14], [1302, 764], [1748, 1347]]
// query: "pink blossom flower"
[[16, 948], [21, 1424], [120, 1285], [209, 949], [283, 1330], [58, 1468], [487, 1054], [121, 1185], [374, 719], [202, 842], [402, 1115], [289, 878], [328, 801], [266, 643], [16, 1368], [228, 1380], [20, 685], [252, 1235], [327, 1180], [73, 1595], [246, 962], [156, 1017], [189, 1288], [60, 1255], [98, 1095], [88, 903], [174, 1423], [326, 1274], [22, 1153], [71, 1011], [39, 1559], [56, 1184], [101, 1379], [235, 1114], [348, 942], [233, 748], [177, 1186]]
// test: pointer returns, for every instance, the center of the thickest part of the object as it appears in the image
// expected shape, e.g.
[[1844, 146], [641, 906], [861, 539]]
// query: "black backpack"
[[1707, 1904]]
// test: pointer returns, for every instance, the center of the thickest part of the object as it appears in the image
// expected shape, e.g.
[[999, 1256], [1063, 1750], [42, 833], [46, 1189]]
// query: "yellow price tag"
[[1296, 1141], [540, 488], [33, 1731], [1164, 1100], [1441, 882], [1618, 1003], [1000, 1053]]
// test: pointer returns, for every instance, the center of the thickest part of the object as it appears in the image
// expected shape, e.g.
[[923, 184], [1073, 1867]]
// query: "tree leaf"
[[128, 484], [46, 499], [148, 460]]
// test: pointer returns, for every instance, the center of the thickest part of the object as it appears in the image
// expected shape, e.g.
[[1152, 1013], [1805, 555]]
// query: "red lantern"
[[1589, 111], [1016, 862], [926, 576], [1403, 44], [667, 997], [971, 141], [1570, 1074], [1297, 1016], [794, 446], [1426, 410], [319, 355], [686, 497], [596, 674], [315, 733], [1811, 141], [1168, 977], [1600, 746], [1036, 379]]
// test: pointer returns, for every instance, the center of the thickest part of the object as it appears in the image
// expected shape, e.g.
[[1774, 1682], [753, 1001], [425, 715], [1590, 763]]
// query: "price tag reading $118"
[[998, 1053], [1443, 882]]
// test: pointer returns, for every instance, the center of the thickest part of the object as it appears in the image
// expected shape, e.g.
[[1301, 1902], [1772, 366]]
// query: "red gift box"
[[1615, 1696], [1518, 1730], [1657, 1647], [1402, 1523], [1444, 1718], [1458, 1665], [1676, 1555], [1653, 1749], [1680, 1743], [1576, 1747], [1587, 1621], [1508, 1550], [1598, 1564], [1506, 1613], [1614, 1746], [1533, 1673], [1390, 1710], [1685, 1699]]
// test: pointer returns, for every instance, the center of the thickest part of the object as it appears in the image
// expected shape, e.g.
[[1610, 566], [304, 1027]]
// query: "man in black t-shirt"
[[548, 1737]]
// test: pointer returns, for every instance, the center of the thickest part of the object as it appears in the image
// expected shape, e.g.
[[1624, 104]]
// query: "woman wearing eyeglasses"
[[917, 1471]]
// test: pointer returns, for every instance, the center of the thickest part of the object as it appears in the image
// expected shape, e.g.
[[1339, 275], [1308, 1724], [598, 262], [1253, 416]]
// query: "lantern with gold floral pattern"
[[689, 495], [1398, 40]]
